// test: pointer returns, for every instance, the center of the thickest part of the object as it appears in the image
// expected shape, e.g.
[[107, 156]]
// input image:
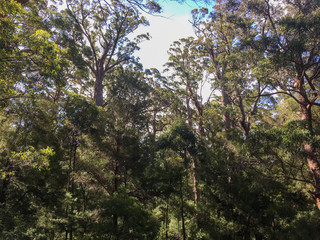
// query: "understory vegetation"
[[224, 144]]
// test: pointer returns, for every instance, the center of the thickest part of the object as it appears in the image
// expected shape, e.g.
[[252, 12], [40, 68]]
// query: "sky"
[[172, 25]]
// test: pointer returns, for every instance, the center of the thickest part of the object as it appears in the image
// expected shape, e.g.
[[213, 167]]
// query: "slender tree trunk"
[[199, 108], [195, 181], [98, 88], [3, 190], [166, 218], [190, 123], [224, 95], [74, 159], [154, 126], [116, 177], [116, 166], [189, 113], [200, 124], [70, 183], [70, 234], [116, 182], [245, 121], [182, 210], [226, 103]]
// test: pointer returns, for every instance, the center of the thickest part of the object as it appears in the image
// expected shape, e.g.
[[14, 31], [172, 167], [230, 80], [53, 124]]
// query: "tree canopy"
[[94, 146]]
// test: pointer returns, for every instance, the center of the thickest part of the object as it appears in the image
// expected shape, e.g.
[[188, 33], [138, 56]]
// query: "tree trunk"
[[312, 158], [166, 218], [195, 181], [182, 210], [245, 121], [199, 108], [98, 88], [116, 177], [200, 123], [189, 111], [3, 191], [224, 96], [70, 180], [190, 123], [314, 166], [226, 103]]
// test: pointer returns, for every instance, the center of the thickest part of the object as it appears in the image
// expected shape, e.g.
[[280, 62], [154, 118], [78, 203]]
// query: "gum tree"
[[290, 33], [96, 34], [221, 34]]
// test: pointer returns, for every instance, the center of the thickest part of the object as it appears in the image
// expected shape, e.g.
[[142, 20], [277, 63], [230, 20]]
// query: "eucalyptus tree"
[[217, 39], [187, 73], [237, 67], [290, 33], [96, 35]]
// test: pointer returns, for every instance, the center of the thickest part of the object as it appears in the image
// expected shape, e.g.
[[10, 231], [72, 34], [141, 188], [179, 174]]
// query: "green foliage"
[[179, 138], [152, 159], [135, 222], [81, 112], [36, 159]]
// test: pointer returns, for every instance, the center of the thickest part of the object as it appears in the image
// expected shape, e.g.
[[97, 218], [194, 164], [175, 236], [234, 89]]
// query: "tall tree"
[[96, 34], [291, 32], [188, 76], [237, 73], [217, 39]]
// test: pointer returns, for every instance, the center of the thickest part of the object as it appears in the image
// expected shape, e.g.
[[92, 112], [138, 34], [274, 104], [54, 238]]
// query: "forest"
[[94, 146]]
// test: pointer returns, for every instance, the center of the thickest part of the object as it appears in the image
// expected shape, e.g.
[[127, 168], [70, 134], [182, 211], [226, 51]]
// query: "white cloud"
[[163, 31]]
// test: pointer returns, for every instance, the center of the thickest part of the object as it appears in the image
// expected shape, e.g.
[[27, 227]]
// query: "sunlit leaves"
[[34, 158], [46, 54]]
